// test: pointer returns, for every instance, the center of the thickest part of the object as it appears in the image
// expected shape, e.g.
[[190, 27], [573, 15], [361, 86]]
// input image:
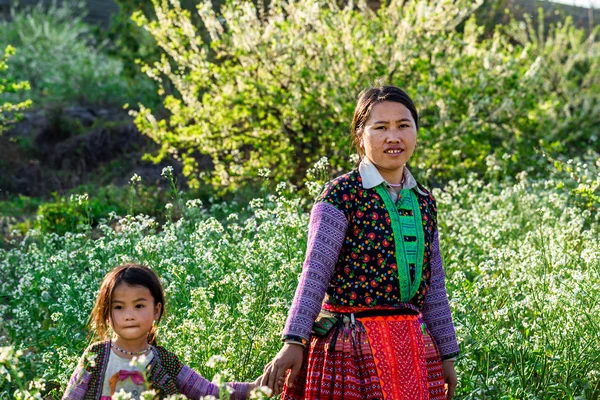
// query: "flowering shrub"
[[523, 275], [276, 88], [9, 111]]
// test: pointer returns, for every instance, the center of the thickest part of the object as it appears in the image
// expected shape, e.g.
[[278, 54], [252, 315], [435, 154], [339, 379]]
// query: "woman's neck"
[[394, 177]]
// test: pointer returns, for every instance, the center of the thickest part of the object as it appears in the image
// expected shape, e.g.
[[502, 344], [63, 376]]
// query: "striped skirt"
[[389, 357]]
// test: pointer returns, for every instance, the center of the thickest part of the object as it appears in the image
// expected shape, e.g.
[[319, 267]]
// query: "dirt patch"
[[55, 150]]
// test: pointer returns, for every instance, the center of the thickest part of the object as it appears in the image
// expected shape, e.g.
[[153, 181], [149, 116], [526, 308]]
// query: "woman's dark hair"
[[131, 274], [367, 99]]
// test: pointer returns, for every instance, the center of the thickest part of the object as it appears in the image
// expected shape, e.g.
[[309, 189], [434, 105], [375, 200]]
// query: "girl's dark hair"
[[367, 99], [131, 274]]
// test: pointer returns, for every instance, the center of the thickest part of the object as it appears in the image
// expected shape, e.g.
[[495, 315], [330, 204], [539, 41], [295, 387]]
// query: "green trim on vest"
[[406, 251]]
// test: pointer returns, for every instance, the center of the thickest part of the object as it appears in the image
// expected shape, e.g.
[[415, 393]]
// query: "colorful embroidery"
[[408, 238], [380, 358], [366, 273]]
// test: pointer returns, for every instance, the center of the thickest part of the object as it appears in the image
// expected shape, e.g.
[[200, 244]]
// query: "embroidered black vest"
[[162, 373], [367, 273]]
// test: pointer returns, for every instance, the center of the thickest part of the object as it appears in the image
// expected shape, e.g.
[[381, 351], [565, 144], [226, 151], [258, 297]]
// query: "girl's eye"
[[139, 306], [380, 128], [118, 307]]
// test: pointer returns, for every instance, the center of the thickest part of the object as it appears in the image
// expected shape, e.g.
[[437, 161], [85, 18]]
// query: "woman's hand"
[[449, 377], [289, 357]]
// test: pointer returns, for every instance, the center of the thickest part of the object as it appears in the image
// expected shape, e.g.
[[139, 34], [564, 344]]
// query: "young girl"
[[131, 302]]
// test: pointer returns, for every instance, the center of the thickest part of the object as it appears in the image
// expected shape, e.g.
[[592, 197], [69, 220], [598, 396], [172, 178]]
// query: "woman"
[[385, 329]]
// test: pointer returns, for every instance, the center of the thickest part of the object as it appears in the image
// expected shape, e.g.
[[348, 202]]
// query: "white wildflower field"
[[523, 275]]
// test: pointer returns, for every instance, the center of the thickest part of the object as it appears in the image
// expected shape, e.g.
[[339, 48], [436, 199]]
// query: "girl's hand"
[[449, 377], [255, 384], [289, 357]]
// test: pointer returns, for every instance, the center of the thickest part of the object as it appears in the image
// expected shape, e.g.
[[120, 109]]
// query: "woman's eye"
[[404, 126], [380, 128], [139, 306]]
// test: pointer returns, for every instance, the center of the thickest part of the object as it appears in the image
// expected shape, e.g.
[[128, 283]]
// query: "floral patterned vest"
[[367, 273], [162, 370]]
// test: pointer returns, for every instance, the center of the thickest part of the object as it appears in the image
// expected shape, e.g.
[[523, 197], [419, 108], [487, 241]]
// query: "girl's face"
[[132, 312], [389, 136]]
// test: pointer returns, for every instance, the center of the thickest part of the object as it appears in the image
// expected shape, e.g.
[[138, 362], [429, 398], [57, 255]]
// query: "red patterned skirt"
[[383, 357]]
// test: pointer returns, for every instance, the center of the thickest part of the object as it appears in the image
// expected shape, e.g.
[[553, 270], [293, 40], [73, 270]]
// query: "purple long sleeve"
[[195, 386], [436, 309], [78, 384], [326, 234]]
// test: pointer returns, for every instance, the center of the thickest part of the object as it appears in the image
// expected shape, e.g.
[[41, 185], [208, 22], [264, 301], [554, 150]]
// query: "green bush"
[[87, 205], [63, 61], [276, 88], [64, 215]]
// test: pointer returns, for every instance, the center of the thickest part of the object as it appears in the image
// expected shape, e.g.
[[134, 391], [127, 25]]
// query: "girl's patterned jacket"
[[165, 374]]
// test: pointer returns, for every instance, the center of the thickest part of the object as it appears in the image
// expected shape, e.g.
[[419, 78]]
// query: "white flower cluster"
[[79, 198], [522, 264], [135, 179], [167, 172]]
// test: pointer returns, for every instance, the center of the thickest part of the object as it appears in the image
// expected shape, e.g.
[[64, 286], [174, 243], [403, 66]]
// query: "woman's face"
[[389, 136]]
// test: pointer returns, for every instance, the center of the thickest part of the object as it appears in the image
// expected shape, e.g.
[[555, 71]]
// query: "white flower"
[[215, 360], [261, 392], [168, 206], [138, 361], [148, 395], [314, 188], [57, 316], [79, 198], [232, 217], [264, 172], [136, 178], [193, 203], [281, 186], [167, 172]]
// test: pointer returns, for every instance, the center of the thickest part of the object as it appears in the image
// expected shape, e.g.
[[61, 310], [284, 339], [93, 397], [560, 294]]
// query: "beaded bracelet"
[[295, 340]]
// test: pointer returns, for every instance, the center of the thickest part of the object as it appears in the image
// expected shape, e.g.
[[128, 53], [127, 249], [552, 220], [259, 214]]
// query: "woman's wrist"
[[294, 343], [293, 339]]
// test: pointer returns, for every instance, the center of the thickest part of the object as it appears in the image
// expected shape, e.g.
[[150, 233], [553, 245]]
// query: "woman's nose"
[[393, 138]]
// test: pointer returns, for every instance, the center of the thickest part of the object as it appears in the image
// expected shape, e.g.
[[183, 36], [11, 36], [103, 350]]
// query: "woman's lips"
[[394, 151]]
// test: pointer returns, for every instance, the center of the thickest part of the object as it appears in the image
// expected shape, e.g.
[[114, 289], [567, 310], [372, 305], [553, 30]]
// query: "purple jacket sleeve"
[[78, 384], [326, 234], [194, 386], [436, 309]]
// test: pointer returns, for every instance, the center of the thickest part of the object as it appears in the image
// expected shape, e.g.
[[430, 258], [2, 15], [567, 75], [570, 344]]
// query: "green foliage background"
[[65, 61], [276, 87]]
